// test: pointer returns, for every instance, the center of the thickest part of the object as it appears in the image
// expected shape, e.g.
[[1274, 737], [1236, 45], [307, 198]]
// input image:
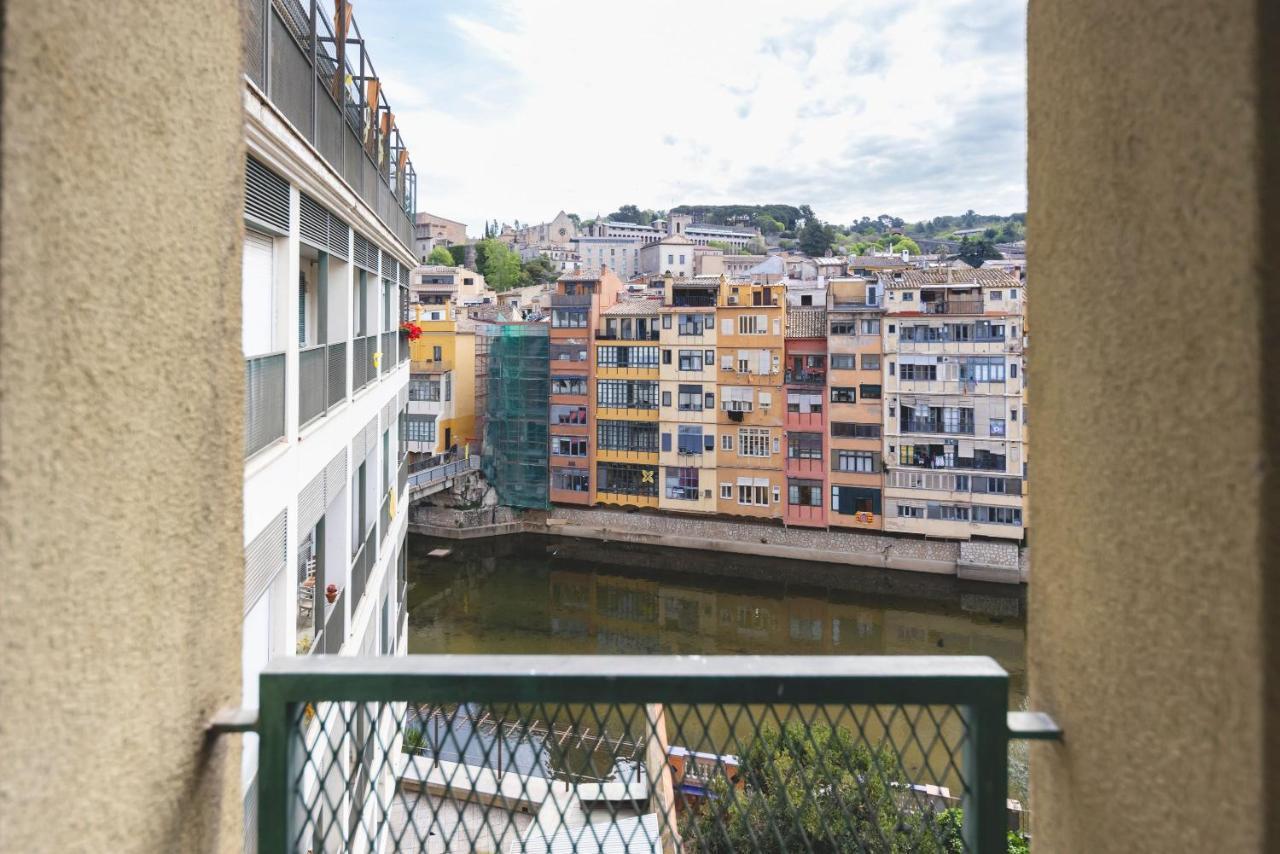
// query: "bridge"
[[438, 474]]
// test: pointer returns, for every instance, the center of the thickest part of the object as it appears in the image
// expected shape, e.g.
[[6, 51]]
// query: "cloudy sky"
[[514, 109]]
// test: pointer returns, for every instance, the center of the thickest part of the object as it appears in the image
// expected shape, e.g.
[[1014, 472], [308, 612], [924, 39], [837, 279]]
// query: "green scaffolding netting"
[[514, 372]]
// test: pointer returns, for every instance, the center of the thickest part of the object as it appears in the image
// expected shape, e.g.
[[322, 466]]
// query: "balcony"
[[637, 753], [328, 89], [817, 378], [651, 335], [952, 306], [430, 366], [322, 380], [570, 300]]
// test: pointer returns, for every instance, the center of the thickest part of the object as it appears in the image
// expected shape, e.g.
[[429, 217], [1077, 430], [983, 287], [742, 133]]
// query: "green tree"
[[500, 265], [755, 247], [816, 238], [440, 255], [767, 224], [815, 787], [539, 270], [974, 251], [458, 254]]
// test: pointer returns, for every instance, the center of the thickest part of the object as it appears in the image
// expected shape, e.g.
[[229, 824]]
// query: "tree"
[[440, 255], [576, 220], [500, 265], [458, 255], [816, 238], [767, 224], [974, 252], [538, 270], [908, 244], [755, 247], [629, 213], [813, 787]]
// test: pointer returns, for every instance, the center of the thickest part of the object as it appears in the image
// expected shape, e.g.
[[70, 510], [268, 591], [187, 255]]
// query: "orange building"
[[576, 304], [749, 348]]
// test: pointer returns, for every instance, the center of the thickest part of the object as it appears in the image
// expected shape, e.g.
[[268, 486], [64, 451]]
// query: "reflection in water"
[[531, 594]]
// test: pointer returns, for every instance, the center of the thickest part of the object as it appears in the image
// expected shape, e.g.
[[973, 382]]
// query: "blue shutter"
[[709, 442], [666, 441]]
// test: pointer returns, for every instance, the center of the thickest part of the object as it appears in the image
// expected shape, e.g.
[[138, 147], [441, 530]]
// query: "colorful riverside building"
[[576, 304], [808, 448], [853, 403], [749, 349], [624, 398], [954, 444], [442, 376], [687, 384]]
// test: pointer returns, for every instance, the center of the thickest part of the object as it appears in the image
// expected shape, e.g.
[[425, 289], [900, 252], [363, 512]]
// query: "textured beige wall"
[[120, 425], [1152, 472]]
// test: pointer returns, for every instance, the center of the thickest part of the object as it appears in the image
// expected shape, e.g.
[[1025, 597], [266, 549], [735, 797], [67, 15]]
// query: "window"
[[753, 324], [666, 398], [804, 493], [641, 436], [804, 402], [912, 372], [869, 391], [257, 295], [690, 360], [627, 478], [428, 390], [448, 386], [568, 385], [848, 327], [997, 426], [843, 361], [871, 326], [997, 515], [569, 351], [709, 400], [421, 428], [572, 480], [908, 296], [569, 446], [691, 324], [1013, 370], [726, 442], [709, 358], [562, 414], [689, 439], [666, 321], [627, 394], [849, 430], [996, 296], [947, 512], [863, 462], [870, 361], [753, 442], [753, 491], [804, 446], [844, 394], [910, 511], [690, 398], [681, 259], [666, 357], [569, 318], [726, 490], [1013, 415], [627, 357], [982, 369], [682, 483], [855, 499], [737, 399]]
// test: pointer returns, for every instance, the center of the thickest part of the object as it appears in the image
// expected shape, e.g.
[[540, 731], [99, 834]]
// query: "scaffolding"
[[512, 395]]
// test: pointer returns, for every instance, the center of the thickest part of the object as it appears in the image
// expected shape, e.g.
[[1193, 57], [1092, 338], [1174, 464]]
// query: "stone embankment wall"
[[977, 560]]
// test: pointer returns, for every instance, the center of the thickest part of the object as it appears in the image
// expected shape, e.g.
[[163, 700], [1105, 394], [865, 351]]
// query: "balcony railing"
[[390, 351], [363, 370], [636, 753], [650, 335], [806, 378], [570, 300], [328, 89], [954, 306], [334, 632], [362, 566], [264, 390], [322, 380], [435, 474]]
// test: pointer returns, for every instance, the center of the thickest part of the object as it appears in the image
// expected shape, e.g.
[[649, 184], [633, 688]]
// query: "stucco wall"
[[1152, 472], [120, 425]]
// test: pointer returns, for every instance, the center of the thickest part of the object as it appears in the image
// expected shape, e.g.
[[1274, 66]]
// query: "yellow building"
[[624, 400], [442, 384]]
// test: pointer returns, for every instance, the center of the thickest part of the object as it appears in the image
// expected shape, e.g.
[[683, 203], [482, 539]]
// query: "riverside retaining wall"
[[979, 560]]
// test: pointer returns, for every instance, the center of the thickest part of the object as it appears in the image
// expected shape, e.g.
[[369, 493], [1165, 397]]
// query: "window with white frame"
[[753, 442]]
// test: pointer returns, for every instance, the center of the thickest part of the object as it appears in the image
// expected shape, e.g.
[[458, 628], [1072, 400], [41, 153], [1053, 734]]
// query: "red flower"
[[413, 329]]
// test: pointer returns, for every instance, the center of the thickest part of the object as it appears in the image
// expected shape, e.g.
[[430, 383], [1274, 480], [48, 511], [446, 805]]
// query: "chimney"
[[469, 259]]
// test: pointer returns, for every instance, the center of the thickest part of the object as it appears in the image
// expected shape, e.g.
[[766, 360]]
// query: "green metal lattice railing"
[[635, 753]]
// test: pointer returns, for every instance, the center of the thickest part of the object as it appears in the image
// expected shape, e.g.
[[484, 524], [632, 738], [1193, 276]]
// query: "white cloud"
[[523, 108]]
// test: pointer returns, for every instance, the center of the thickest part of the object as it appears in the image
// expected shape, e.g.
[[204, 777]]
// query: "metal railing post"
[[986, 771], [273, 767]]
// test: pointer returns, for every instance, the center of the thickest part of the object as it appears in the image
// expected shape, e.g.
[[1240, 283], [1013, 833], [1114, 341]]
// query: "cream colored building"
[[670, 256], [430, 231], [688, 396], [953, 369]]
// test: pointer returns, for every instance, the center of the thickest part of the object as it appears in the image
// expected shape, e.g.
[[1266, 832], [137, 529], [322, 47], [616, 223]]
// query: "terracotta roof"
[[806, 322], [951, 276], [831, 262], [877, 261], [633, 308]]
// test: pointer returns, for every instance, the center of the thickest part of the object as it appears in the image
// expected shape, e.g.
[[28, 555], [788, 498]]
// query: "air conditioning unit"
[[733, 300]]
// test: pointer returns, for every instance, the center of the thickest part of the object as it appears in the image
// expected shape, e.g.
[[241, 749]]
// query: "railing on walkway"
[[389, 351], [264, 391], [635, 753], [435, 474], [334, 632]]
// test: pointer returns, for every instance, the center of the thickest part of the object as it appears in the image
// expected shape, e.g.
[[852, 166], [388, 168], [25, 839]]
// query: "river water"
[[533, 594]]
